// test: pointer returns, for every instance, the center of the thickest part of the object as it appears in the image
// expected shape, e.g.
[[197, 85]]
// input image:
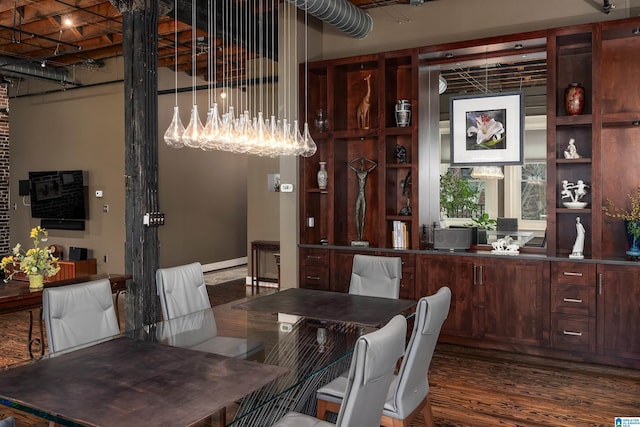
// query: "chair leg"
[[324, 406], [427, 413]]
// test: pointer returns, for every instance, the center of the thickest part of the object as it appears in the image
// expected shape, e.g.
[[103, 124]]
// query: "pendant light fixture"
[[191, 136], [173, 134]]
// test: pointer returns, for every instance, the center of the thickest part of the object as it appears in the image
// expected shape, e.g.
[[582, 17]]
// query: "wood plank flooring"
[[471, 387]]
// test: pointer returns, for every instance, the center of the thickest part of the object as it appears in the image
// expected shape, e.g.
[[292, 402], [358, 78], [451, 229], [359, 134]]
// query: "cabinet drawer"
[[575, 273], [573, 333], [315, 257], [314, 278], [573, 299]]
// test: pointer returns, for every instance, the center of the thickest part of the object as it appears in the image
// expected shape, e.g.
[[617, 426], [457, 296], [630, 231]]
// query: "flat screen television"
[[58, 195]]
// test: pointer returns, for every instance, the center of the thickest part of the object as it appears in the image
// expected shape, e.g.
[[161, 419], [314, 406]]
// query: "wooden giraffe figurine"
[[362, 113]]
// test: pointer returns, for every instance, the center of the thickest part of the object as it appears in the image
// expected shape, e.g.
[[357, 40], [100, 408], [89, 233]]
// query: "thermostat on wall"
[[286, 188]]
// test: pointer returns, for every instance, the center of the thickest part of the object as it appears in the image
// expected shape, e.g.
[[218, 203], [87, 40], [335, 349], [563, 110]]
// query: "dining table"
[[330, 306], [154, 375]]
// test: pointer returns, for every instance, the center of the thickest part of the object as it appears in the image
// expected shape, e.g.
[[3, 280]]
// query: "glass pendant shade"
[[173, 134], [210, 138], [191, 137], [487, 172], [310, 146]]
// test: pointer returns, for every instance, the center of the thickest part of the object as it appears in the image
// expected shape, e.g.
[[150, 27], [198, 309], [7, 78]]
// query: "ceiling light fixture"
[[487, 172], [274, 136]]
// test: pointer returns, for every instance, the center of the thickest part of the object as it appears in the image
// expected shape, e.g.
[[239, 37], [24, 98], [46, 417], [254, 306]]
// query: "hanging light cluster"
[[230, 131]]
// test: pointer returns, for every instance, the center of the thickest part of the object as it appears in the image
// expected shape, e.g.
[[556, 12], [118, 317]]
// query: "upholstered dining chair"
[[409, 391], [376, 276], [182, 290], [8, 422], [371, 371], [79, 314]]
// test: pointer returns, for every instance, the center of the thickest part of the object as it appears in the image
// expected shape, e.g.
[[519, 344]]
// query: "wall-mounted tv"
[[58, 195]]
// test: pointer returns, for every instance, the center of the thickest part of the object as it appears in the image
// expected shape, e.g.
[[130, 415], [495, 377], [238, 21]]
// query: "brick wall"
[[4, 171]]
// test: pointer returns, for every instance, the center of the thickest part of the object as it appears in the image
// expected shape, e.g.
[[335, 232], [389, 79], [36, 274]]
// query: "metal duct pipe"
[[340, 14], [10, 67]]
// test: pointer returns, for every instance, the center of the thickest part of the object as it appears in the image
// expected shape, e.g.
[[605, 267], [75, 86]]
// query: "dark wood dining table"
[[131, 382], [330, 306], [156, 376]]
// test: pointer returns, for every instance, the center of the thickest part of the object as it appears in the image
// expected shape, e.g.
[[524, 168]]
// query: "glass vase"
[[36, 281]]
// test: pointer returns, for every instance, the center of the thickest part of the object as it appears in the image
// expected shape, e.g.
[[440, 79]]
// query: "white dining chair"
[[376, 276], [78, 314], [370, 374], [409, 391]]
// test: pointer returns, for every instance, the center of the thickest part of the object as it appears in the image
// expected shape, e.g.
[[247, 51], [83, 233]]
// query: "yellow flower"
[[35, 260], [632, 214]]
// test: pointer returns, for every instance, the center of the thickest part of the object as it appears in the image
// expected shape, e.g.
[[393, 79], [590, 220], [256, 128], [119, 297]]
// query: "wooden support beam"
[[140, 47]]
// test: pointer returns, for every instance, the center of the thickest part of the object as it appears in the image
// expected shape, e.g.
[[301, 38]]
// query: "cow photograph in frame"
[[487, 129]]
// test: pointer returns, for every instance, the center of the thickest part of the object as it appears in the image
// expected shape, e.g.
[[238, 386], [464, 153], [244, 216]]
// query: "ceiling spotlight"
[[67, 21], [43, 64], [518, 46]]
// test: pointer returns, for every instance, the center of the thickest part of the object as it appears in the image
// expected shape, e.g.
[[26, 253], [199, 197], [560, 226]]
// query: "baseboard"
[[207, 268]]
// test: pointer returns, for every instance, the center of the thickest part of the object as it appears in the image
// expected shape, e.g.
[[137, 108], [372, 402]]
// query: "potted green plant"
[[484, 222], [457, 197], [631, 217]]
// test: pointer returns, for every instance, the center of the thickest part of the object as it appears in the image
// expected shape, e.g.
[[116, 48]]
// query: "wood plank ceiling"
[[46, 39]]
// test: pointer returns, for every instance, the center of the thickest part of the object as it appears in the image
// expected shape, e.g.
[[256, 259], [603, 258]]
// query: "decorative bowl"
[[575, 205]]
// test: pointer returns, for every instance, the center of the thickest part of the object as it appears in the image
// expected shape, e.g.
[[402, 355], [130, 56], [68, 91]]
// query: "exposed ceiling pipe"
[[10, 67], [340, 14]]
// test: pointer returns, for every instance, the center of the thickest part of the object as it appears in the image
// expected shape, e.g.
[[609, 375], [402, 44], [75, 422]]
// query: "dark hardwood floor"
[[471, 387]]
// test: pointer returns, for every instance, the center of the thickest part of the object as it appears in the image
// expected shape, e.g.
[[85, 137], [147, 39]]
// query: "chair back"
[[79, 314], [181, 290], [412, 384], [376, 276], [370, 374]]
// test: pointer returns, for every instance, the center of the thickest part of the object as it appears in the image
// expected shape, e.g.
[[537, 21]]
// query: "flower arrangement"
[[632, 214], [34, 260]]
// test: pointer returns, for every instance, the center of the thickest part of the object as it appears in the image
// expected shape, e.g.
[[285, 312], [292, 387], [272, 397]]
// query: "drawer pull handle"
[[573, 334], [576, 300], [313, 278], [313, 257], [571, 273]]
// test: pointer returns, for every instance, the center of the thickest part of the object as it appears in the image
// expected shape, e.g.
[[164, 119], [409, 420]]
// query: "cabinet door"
[[618, 319], [513, 301], [456, 273]]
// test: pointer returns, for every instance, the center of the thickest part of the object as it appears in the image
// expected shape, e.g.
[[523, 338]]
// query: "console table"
[[258, 246]]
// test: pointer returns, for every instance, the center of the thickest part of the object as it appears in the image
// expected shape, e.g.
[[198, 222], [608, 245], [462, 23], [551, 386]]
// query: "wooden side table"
[[258, 246]]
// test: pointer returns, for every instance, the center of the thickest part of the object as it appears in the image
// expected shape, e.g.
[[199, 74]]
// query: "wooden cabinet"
[[343, 88], [314, 269], [618, 318], [573, 306], [488, 294], [456, 273], [512, 301]]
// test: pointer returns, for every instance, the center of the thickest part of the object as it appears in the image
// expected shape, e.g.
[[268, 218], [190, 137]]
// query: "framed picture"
[[487, 129]]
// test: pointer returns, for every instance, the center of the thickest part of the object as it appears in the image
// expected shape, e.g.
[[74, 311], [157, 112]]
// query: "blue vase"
[[633, 235]]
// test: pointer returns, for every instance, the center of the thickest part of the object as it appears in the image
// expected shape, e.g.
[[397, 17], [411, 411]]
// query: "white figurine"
[[578, 246], [572, 152]]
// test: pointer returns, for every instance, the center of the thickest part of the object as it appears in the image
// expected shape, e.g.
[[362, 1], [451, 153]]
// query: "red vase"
[[574, 99]]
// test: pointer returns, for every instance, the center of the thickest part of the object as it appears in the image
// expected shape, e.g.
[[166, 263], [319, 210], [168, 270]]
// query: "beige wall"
[[76, 129]]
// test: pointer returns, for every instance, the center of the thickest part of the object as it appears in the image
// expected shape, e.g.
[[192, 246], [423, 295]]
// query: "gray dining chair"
[[8, 422], [79, 314], [182, 291], [376, 276], [371, 371], [409, 391]]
